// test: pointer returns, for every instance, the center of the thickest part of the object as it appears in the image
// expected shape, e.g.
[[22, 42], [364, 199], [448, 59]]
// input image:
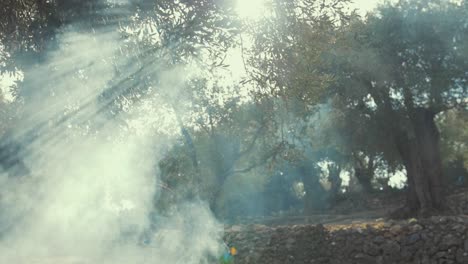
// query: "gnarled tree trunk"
[[419, 150], [315, 194], [364, 173], [335, 181]]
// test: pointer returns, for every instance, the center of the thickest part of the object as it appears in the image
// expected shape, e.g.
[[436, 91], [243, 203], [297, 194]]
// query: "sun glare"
[[364, 6], [255, 9], [251, 9]]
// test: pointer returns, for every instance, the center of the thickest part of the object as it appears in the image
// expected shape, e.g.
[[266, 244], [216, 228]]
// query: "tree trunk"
[[364, 177], [419, 150], [364, 171], [335, 181], [315, 194]]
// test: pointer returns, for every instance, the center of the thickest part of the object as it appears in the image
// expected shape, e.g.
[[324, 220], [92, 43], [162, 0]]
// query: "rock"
[[406, 254], [460, 257], [235, 228], [425, 260], [290, 243], [459, 228], [379, 260], [364, 259], [388, 224], [413, 238], [443, 219], [258, 227], [446, 261], [448, 241], [441, 255], [415, 228], [396, 229], [391, 248], [371, 249], [379, 240]]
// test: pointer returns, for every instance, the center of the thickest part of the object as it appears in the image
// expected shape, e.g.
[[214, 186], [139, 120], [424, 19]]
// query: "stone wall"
[[434, 240]]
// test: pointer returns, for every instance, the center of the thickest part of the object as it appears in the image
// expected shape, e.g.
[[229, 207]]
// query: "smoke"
[[91, 173]]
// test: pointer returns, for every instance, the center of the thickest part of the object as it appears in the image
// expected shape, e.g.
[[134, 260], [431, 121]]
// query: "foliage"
[[454, 134]]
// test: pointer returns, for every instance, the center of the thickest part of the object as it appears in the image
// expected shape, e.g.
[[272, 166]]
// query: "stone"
[[460, 256], [425, 260], [371, 249], [413, 238], [379, 240], [396, 229], [415, 228], [235, 228], [441, 255], [459, 228], [448, 241], [391, 248], [406, 253], [290, 243], [364, 259]]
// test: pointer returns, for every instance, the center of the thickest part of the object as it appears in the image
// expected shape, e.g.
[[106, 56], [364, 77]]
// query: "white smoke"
[[92, 175]]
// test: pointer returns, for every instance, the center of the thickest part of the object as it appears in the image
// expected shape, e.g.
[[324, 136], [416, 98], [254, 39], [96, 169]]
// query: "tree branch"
[[270, 155], [252, 143]]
